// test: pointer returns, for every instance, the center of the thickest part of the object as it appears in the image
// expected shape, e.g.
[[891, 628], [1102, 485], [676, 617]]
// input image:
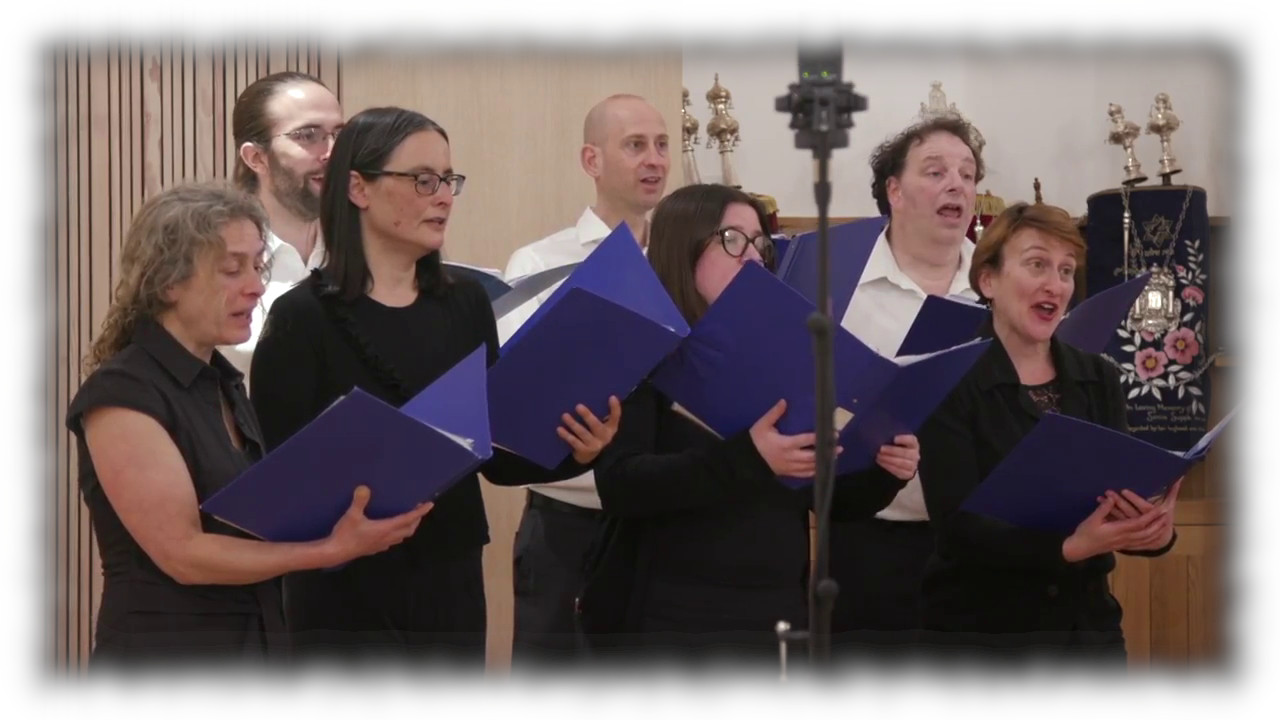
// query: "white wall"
[[1043, 114]]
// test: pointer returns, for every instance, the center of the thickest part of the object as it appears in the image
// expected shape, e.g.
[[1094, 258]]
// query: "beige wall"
[[515, 126]]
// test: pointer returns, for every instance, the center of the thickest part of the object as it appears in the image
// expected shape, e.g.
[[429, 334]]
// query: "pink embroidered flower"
[[1181, 270], [1149, 363], [1181, 345], [1192, 295], [1148, 335]]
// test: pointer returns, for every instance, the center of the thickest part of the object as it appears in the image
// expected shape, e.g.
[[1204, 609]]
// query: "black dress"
[[424, 598], [147, 616], [717, 549], [992, 588]]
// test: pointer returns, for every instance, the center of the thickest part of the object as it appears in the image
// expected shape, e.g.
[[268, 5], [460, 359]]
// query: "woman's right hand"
[[355, 535], [787, 455], [1099, 534]]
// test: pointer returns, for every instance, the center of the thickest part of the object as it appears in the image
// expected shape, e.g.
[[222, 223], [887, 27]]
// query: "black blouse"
[[315, 348], [155, 375], [712, 520]]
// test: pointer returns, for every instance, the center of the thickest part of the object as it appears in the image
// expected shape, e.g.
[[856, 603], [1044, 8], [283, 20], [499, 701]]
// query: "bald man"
[[625, 152]]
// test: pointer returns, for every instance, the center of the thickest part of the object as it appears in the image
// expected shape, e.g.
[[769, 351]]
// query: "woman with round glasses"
[[719, 547], [380, 314]]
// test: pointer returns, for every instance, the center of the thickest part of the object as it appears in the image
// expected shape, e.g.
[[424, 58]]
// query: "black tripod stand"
[[821, 108]]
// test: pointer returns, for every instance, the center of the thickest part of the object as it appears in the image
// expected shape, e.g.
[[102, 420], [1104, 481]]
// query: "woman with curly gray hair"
[[163, 422]]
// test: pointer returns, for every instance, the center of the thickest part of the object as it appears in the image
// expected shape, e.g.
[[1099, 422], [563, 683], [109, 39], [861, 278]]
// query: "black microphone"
[[822, 107]]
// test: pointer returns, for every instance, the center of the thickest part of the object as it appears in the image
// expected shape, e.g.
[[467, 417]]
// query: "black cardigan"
[[710, 515], [314, 350], [987, 576]]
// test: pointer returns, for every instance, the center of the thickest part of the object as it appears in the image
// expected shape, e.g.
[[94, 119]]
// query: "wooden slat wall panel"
[[76, 330], [59, 356], [124, 121]]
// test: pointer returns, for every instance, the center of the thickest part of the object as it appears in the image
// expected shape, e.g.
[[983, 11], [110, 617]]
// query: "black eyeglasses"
[[311, 136], [735, 243], [426, 182]]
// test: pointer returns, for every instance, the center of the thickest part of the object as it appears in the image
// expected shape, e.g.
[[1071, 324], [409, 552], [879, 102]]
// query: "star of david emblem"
[[1157, 230]]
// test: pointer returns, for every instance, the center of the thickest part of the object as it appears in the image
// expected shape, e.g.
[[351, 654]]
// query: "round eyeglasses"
[[735, 242]]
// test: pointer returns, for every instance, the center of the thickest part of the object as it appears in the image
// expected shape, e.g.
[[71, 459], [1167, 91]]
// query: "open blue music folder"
[[1052, 479], [599, 334], [943, 322], [849, 247], [406, 456], [1091, 324], [507, 295], [753, 347]]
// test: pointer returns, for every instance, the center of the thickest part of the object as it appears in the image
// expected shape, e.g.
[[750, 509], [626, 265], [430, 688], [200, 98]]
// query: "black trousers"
[[391, 607], [550, 547], [1086, 649], [879, 566], [170, 641]]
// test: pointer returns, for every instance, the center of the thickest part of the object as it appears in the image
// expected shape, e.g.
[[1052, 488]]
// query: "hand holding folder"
[[753, 347], [1053, 478], [406, 457], [598, 335]]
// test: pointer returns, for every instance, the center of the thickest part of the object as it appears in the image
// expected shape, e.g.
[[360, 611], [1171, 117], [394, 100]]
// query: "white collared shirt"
[[880, 314], [567, 246], [287, 270]]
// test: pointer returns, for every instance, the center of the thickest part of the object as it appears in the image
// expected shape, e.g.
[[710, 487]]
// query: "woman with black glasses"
[[708, 549], [380, 314]]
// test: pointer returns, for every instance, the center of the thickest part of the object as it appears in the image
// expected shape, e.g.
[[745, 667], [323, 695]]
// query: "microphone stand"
[[821, 106]]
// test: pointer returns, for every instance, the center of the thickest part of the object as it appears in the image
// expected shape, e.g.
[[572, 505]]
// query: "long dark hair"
[[365, 143], [684, 224]]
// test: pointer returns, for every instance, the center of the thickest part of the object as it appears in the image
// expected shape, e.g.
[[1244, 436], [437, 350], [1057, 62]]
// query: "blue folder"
[[405, 456], [753, 347], [598, 334], [849, 246], [943, 322], [1051, 481], [505, 295], [491, 280], [1092, 324]]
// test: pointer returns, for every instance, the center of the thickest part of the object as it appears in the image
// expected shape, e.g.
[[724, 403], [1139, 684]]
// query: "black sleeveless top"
[[157, 376]]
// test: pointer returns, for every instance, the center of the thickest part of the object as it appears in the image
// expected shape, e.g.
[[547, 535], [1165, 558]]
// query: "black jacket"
[[987, 576]]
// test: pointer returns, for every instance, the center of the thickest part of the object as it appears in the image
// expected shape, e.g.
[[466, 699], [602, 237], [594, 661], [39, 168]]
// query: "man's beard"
[[292, 191]]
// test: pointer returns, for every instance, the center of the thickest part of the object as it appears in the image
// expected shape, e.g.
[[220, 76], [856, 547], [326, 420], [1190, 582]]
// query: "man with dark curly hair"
[[925, 180]]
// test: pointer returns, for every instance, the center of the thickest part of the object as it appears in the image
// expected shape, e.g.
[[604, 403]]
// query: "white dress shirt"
[[880, 314], [568, 246], [287, 270]]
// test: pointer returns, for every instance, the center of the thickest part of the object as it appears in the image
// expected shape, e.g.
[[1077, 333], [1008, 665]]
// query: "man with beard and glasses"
[[284, 126]]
